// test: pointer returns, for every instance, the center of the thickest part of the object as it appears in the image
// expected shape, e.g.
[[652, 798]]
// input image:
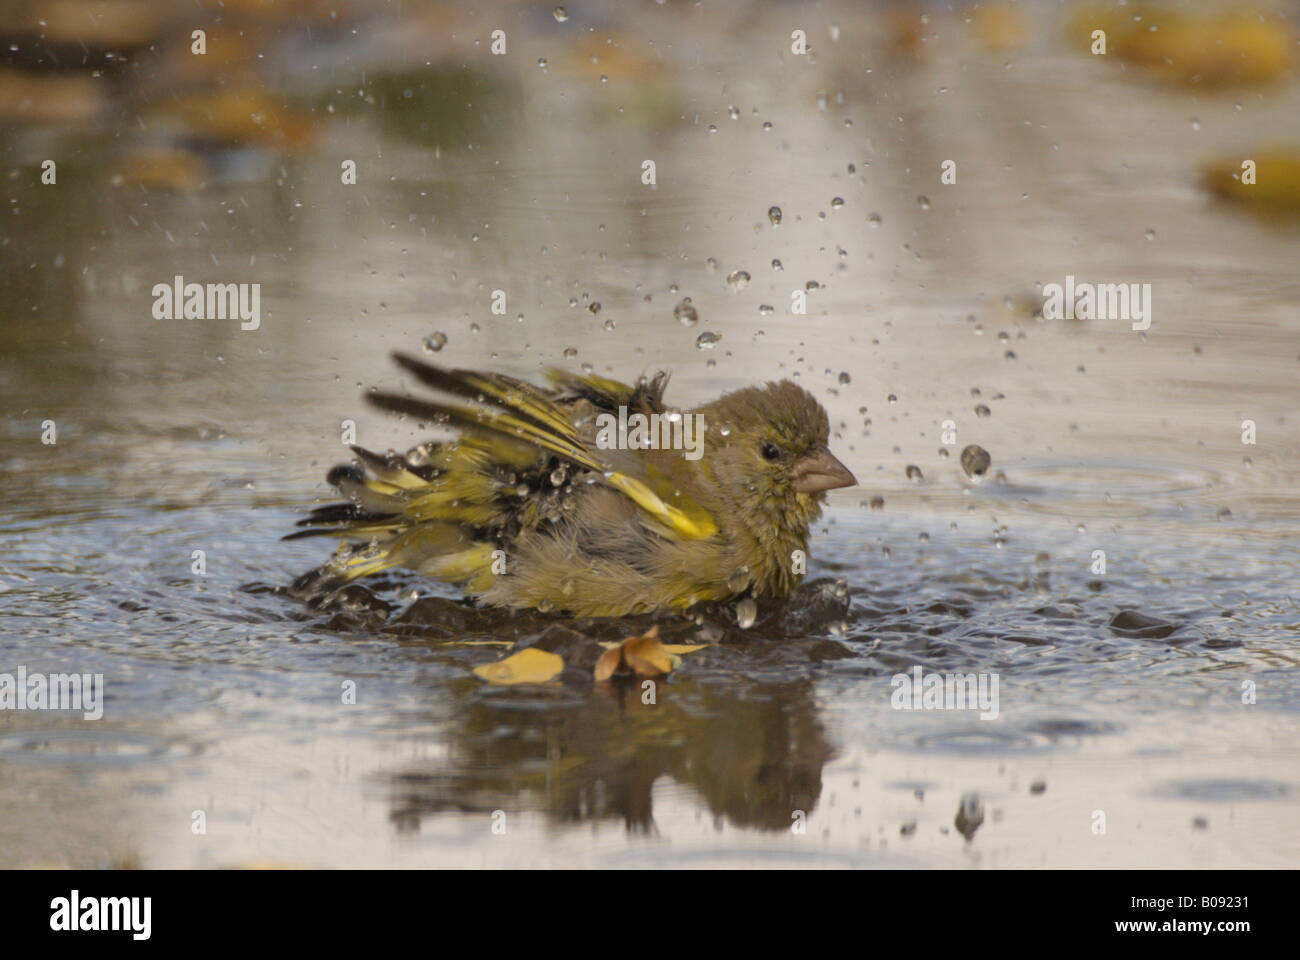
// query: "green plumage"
[[526, 509]]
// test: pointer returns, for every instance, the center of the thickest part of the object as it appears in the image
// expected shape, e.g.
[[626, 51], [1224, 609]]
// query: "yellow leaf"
[[679, 648], [526, 666]]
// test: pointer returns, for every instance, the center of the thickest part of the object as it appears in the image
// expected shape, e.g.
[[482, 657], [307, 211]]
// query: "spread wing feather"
[[442, 508]]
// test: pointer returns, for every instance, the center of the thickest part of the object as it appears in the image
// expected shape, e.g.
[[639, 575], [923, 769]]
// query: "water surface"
[[1120, 693]]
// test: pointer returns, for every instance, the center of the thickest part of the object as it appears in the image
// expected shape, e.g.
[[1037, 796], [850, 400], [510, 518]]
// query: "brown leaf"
[[646, 655], [609, 662], [643, 656]]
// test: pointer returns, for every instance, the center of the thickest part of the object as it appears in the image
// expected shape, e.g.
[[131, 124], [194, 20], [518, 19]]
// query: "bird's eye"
[[770, 451]]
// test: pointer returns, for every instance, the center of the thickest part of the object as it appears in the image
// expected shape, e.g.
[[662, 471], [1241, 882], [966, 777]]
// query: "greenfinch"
[[589, 497]]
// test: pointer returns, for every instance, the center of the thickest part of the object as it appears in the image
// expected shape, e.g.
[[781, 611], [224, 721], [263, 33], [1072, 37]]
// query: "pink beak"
[[820, 471]]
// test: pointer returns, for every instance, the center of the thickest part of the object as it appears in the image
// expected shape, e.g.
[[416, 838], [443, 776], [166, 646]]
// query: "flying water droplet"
[[746, 613], [738, 280], [975, 461]]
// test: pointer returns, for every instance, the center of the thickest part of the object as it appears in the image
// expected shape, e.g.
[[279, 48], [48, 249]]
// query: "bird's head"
[[769, 453]]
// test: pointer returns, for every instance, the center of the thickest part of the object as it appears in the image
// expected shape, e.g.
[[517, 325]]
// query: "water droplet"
[[541, 62], [435, 342], [914, 473], [874, 220], [686, 313], [1150, 234], [707, 340], [570, 353], [837, 202], [733, 112], [560, 14], [924, 202], [893, 398], [767, 124], [746, 613], [975, 461], [774, 215], [845, 378], [608, 324], [982, 411], [777, 265], [738, 280], [594, 307]]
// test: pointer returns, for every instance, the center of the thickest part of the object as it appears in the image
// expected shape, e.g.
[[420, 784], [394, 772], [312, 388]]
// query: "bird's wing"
[[521, 413], [503, 426], [608, 395]]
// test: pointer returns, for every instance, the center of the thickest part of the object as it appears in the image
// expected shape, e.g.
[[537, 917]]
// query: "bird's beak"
[[821, 471]]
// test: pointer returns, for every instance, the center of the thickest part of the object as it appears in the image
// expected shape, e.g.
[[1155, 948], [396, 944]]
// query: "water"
[[1120, 692]]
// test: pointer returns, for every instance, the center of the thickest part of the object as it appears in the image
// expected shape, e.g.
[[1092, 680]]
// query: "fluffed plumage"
[[526, 508]]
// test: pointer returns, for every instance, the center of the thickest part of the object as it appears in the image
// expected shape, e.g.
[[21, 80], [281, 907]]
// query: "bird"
[[539, 502]]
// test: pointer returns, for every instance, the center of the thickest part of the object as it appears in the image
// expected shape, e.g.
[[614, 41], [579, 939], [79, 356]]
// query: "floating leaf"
[[609, 662], [677, 649], [526, 666], [643, 656]]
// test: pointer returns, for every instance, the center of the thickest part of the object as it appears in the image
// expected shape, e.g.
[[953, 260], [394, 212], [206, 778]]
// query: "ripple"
[[90, 748], [1222, 791], [980, 741]]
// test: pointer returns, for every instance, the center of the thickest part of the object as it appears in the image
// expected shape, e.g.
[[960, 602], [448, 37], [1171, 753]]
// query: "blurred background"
[[775, 171]]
